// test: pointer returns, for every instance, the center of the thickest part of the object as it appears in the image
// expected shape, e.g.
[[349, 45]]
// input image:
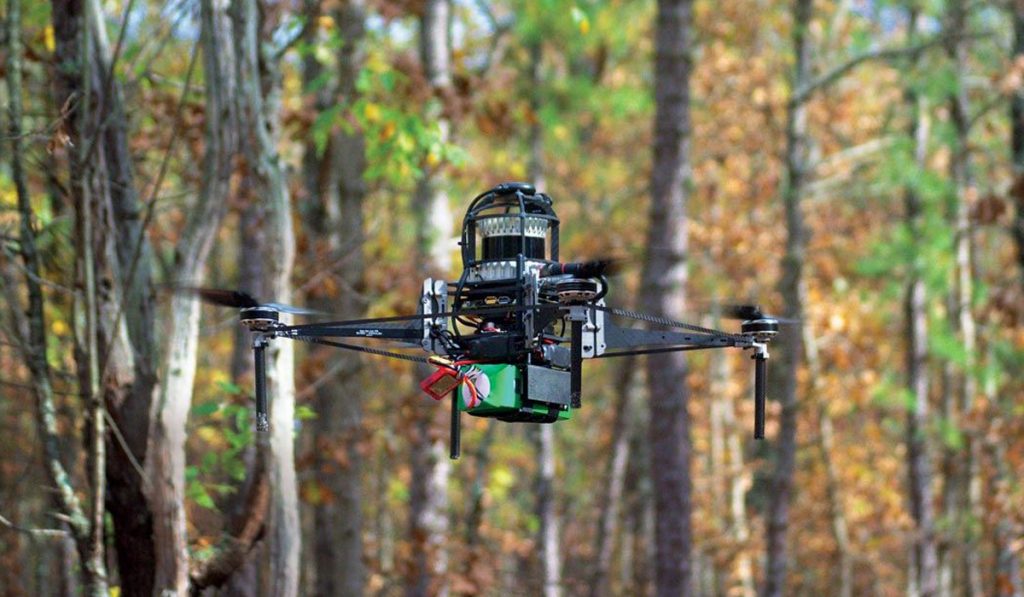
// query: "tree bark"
[[103, 194], [615, 474], [791, 288], [730, 478], [1017, 138], [335, 182], [919, 467], [544, 439], [964, 485], [833, 486], [166, 465], [430, 464], [663, 283], [257, 104], [82, 520]]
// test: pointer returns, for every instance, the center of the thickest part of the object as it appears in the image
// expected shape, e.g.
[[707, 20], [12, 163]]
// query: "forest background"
[[857, 165]]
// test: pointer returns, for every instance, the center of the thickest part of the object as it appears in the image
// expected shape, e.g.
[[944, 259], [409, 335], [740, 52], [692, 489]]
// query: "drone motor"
[[259, 319], [762, 330]]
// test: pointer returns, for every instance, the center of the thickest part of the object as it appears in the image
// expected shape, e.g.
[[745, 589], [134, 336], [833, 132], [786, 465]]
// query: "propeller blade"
[[220, 297], [742, 312], [239, 299], [292, 309], [785, 320], [749, 312], [586, 269]]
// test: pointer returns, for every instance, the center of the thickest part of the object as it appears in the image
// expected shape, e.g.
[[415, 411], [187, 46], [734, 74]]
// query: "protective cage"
[[506, 222]]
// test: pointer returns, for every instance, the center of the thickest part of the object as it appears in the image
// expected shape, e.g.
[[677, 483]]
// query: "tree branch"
[[244, 530], [50, 533], [826, 79]]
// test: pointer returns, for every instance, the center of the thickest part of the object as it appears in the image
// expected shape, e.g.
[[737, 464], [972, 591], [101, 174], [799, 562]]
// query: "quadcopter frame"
[[508, 313]]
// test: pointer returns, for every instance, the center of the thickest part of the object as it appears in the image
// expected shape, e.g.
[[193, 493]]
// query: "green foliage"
[[228, 423]]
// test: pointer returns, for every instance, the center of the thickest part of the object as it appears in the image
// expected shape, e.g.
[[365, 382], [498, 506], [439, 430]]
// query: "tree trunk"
[[663, 283], [246, 579], [336, 184], [826, 444], [166, 466], [739, 484], [550, 552], [1017, 138], [919, 467], [257, 104], [104, 197], [964, 484], [430, 465], [547, 513], [615, 474], [85, 523], [1006, 580], [791, 288], [730, 479]]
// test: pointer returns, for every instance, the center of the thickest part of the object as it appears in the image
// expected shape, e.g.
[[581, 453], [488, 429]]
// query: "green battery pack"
[[500, 392]]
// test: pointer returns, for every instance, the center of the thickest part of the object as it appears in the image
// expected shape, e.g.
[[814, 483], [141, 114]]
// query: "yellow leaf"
[[325, 22], [58, 327], [371, 112], [51, 45], [584, 26]]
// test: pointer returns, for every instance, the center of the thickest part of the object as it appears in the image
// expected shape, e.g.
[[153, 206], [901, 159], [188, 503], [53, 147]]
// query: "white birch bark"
[[258, 98]]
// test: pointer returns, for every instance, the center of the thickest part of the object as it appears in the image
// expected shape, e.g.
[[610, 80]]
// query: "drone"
[[509, 337]]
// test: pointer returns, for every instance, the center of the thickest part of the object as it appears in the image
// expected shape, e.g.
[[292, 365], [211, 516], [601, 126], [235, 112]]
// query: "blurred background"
[[856, 165]]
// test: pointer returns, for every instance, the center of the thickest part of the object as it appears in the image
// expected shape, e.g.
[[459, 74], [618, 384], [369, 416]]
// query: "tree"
[[663, 294], [257, 103], [791, 287], [430, 465], [116, 256], [549, 533], [919, 471], [166, 466], [336, 188], [1017, 138], [85, 523]]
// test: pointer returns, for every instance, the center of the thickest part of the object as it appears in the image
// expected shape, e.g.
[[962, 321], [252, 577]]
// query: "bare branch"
[[33, 532], [831, 76]]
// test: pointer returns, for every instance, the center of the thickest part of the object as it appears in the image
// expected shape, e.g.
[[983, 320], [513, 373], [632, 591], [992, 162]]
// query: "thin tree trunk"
[[826, 443], [1017, 138], [430, 464], [791, 288], [1006, 580], [166, 466], [82, 520], [258, 97], [663, 283], [476, 492], [919, 467], [103, 194], [615, 474], [730, 477], [739, 484], [551, 552], [965, 476], [246, 579], [338, 536]]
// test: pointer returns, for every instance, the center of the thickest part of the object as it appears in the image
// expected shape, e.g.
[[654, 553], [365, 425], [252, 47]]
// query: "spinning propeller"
[[240, 299]]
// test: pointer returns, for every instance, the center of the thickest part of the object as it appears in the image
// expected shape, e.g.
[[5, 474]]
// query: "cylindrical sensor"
[[504, 237]]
